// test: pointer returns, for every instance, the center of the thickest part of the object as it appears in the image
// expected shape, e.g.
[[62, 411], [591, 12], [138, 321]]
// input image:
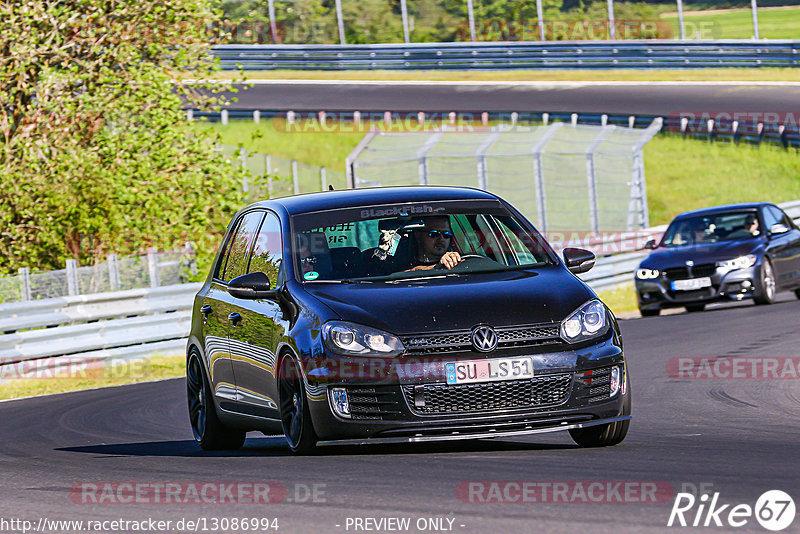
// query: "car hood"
[[508, 298], [667, 257]]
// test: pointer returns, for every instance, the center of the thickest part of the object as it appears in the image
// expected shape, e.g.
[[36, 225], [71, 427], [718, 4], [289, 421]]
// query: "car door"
[[258, 329], [779, 246], [219, 305], [792, 250]]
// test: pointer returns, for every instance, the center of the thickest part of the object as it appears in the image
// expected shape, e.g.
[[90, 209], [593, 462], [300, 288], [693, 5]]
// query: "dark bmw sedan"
[[400, 315], [724, 253]]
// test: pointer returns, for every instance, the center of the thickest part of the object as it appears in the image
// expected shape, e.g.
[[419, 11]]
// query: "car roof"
[[353, 198], [745, 206]]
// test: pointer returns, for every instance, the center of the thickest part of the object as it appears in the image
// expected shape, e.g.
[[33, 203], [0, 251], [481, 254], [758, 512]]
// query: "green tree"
[[94, 153]]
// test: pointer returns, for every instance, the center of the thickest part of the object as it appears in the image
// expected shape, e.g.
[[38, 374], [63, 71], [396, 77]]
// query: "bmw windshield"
[[416, 240], [716, 228]]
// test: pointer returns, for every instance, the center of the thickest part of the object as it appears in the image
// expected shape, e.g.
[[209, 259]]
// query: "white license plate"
[[471, 371], [694, 283]]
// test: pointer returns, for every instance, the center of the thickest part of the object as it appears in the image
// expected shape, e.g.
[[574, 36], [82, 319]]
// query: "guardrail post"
[[152, 266], [72, 278], [190, 115], [223, 117], [323, 178], [256, 116], [25, 279], [113, 272], [295, 179]]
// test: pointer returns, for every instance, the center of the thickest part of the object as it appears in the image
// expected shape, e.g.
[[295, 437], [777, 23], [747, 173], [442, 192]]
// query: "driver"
[[751, 224], [433, 245]]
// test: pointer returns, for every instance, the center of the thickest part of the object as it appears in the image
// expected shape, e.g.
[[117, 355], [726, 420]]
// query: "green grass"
[[632, 75], [620, 300], [156, 368], [773, 23]]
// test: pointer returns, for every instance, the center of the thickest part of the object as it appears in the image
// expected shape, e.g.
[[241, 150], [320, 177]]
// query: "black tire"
[[208, 431], [650, 313], [797, 293], [295, 414], [605, 435], [693, 308], [765, 291]]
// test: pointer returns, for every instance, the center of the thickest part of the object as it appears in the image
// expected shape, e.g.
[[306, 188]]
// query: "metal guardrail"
[[514, 55]]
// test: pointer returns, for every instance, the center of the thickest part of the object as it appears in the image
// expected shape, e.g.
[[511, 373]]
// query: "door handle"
[[206, 310], [234, 318]]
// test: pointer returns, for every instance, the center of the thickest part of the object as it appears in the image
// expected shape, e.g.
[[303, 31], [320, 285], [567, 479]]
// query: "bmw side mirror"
[[651, 244], [777, 229], [251, 286], [578, 260]]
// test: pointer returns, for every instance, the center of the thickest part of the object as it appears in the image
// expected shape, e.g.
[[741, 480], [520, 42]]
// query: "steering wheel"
[[465, 257]]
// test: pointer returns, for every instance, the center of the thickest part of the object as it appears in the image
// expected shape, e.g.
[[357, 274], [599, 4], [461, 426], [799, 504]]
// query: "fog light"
[[340, 403], [615, 381], [746, 284]]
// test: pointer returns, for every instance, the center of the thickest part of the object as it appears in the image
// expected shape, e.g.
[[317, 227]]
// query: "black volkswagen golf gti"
[[400, 315]]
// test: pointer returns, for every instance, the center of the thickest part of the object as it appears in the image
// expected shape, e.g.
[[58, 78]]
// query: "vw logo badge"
[[484, 338]]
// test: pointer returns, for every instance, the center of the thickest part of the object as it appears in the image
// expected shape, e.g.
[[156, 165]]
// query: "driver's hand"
[[450, 260]]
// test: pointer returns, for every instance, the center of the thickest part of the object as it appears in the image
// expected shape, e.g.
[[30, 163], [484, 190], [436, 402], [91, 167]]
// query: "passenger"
[[433, 245]]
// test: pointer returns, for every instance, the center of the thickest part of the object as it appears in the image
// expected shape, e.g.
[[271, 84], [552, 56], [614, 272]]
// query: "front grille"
[[440, 398], [595, 385], [685, 273], [372, 403], [518, 336], [695, 294]]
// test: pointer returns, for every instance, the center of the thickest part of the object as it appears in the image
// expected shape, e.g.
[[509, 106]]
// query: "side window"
[[786, 220], [268, 249], [223, 258], [522, 253], [241, 244], [772, 215]]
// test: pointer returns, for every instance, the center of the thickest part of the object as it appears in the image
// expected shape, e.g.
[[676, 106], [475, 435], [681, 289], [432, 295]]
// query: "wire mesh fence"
[[563, 176], [153, 269]]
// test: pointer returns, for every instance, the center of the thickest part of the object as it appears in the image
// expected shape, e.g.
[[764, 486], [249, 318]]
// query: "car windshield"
[[391, 242], [727, 226]]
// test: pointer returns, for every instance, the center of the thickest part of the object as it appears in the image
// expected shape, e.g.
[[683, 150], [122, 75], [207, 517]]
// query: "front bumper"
[[731, 286], [571, 386]]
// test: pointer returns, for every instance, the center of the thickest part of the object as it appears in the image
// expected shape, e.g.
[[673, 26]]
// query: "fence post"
[[72, 278], [295, 179], [25, 278], [471, 17], [268, 168], [323, 178], [754, 7], [404, 13], [113, 272], [483, 171], [243, 159], [680, 20], [612, 30], [591, 176], [273, 27], [340, 22], [152, 266], [540, 17], [538, 173]]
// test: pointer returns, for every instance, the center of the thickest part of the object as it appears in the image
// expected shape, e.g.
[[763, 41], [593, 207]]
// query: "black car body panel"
[[241, 342]]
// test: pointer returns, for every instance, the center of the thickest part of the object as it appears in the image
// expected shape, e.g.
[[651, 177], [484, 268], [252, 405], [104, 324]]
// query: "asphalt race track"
[[738, 437], [649, 98]]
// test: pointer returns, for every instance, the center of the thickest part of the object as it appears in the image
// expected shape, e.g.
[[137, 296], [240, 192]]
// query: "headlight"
[[742, 262], [647, 274], [357, 340], [586, 322]]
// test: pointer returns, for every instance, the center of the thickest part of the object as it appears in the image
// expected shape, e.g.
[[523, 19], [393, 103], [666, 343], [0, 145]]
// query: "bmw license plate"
[[688, 285], [471, 371]]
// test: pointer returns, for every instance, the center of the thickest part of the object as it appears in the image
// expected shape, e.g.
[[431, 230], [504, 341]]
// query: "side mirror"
[[651, 244], [251, 286], [578, 260], [777, 229]]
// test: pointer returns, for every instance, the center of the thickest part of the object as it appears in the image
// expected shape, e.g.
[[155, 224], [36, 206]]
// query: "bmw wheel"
[[295, 414], [765, 293], [208, 431]]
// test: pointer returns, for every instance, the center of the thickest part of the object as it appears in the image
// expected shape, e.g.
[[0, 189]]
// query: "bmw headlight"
[[742, 262], [588, 321], [357, 340], [647, 274]]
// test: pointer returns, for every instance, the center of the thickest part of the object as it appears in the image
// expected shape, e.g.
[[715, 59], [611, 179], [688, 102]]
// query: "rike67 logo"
[[774, 510]]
